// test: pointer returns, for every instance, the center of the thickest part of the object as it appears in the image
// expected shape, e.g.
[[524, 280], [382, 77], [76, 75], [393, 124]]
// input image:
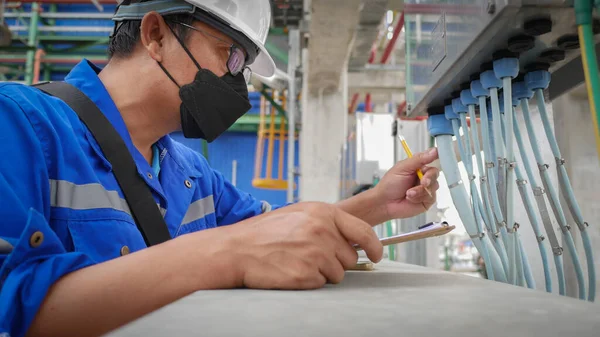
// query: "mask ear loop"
[[184, 47], [168, 75]]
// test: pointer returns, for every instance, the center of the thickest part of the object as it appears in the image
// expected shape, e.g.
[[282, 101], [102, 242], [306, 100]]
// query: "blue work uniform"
[[60, 206]]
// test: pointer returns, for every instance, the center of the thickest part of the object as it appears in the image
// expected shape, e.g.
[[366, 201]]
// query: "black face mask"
[[210, 104]]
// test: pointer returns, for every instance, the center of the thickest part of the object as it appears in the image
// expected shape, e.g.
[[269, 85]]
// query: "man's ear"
[[152, 34]]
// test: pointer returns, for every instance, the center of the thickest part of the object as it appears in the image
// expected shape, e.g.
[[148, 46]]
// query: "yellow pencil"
[[409, 155]]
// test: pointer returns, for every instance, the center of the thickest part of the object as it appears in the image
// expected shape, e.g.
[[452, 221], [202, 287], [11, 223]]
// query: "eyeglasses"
[[236, 62]]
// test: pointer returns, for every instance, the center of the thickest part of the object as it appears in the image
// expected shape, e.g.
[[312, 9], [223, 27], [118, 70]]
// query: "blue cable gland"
[[439, 125], [449, 113], [478, 90], [467, 98], [458, 107], [506, 67], [538, 79], [520, 91], [489, 80]]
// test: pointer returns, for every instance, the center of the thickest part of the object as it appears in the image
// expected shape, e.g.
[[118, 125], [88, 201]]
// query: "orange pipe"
[[37, 65]]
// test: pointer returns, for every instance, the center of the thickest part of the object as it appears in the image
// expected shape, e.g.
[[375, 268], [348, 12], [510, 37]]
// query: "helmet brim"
[[263, 65]]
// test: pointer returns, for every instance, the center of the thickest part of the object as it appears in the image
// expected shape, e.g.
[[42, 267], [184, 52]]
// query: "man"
[[66, 231]]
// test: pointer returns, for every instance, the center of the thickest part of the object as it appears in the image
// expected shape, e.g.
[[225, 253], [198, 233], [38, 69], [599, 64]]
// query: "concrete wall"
[[575, 135]]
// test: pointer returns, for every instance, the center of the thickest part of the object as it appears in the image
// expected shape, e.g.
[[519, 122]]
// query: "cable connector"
[[506, 64], [466, 98], [437, 124], [449, 113], [489, 80], [537, 79], [458, 107], [478, 90], [520, 91]]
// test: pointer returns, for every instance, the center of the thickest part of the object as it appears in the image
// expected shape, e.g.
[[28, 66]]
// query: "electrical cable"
[[521, 182], [506, 67], [481, 90], [452, 116], [534, 81], [539, 194], [520, 90], [440, 128], [490, 82], [470, 101], [567, 190]]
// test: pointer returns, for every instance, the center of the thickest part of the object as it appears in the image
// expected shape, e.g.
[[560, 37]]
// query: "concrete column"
[[576, 140], [324, 120]]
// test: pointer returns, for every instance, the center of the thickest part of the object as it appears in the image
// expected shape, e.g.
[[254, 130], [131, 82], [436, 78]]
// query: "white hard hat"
[[245, 21]]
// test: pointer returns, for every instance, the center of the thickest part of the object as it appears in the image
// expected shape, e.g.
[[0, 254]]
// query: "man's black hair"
[[127, 34]]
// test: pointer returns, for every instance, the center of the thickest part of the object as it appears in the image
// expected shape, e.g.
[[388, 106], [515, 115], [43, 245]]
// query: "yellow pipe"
[[588, 84]]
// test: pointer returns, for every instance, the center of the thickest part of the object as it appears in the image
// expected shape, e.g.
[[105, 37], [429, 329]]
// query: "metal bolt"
[[491, 7]]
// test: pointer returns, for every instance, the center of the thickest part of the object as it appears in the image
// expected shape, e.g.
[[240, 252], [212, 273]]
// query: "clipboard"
[[429, 230]]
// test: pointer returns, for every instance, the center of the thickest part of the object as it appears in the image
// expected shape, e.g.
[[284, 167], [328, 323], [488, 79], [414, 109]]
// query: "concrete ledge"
[[394, 300]]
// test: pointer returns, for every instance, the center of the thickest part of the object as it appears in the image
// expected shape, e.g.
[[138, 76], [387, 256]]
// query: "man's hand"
[[398, 194], [301, 246], [400, 191]]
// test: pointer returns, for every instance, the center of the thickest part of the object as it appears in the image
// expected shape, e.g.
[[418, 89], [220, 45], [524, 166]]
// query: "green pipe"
[[32, 41], [392, 248], [47, 72], [583, 18], [277, 107], [205, 150], [278, 31], [276, 52], [588, 40], [410, 95]]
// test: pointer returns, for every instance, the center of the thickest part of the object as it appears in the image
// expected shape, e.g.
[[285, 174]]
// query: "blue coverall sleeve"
[[32, 257]]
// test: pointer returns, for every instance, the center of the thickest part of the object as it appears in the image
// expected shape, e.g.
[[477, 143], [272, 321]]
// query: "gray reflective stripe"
[[66, 194], [265, 207], [81, 197], [199, 209]]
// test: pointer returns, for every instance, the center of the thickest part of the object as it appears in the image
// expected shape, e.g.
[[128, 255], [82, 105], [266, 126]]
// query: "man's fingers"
[[430, 175], [359, 232], [418, 194], [332, 270], [419, 160]]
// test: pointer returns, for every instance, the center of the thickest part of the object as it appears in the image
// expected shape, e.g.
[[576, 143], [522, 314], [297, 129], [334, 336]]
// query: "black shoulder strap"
[[143, 207]]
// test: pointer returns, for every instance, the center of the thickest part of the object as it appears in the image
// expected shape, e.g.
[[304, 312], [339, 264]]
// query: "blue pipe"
[[567, 190]]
